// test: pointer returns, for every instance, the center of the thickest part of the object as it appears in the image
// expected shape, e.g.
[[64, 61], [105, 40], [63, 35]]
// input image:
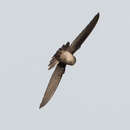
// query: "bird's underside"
[[64, 56]]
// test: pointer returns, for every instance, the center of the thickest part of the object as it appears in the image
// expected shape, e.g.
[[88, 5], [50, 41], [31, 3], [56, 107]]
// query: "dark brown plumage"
[[64, 56], [55, 58]]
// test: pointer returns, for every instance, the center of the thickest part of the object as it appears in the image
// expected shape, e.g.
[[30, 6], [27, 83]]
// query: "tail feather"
[[52, 63]]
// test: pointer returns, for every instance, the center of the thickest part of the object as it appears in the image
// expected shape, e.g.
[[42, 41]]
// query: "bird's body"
[[65, 56], [62, 55]]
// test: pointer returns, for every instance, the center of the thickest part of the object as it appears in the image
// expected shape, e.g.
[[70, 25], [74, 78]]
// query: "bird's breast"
[[67, 58]]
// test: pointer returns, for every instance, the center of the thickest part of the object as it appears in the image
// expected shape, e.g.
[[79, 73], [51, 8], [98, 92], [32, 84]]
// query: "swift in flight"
[[65, 56]]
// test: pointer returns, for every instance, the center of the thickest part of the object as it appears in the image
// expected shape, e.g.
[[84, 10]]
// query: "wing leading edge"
[[76, 44]]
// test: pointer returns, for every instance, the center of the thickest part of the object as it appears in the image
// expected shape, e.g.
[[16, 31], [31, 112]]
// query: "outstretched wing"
[[53, 83], [76, 44]]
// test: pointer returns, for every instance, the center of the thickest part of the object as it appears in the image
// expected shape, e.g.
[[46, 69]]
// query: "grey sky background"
[[94, 94]]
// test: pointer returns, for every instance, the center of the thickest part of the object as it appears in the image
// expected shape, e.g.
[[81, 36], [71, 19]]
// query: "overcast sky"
[[94, 94]]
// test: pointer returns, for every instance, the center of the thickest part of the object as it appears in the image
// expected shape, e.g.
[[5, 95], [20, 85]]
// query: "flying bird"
[[65, 56]]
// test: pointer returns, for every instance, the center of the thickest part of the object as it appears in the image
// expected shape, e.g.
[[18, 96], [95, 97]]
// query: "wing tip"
[[97, 15], [42, 105]]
